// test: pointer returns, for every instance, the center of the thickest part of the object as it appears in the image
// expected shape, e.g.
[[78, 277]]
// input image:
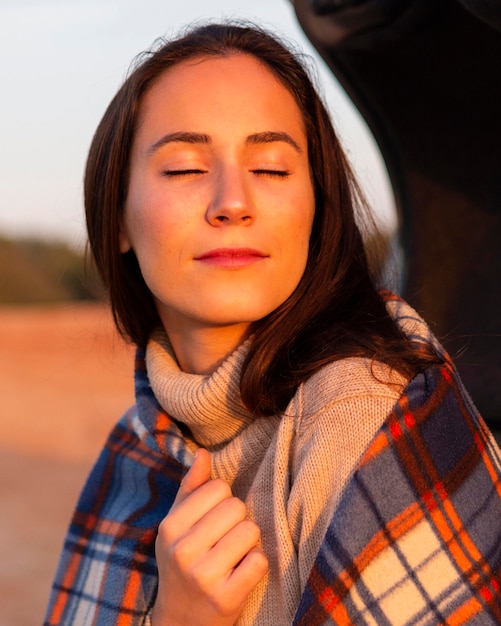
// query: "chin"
[[247, 316]]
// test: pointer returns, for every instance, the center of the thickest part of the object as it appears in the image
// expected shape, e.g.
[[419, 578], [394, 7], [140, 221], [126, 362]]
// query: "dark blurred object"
[[426, 76]]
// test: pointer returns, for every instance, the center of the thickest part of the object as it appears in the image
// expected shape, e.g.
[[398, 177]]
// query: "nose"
[[231, 202]]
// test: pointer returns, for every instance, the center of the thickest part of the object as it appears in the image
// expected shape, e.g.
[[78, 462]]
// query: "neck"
[[201, 350]]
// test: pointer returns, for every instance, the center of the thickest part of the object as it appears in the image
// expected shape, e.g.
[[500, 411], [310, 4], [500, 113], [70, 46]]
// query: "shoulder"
[[127, 458], [410, 322], [365, 380], [336, 414], [351, 382]]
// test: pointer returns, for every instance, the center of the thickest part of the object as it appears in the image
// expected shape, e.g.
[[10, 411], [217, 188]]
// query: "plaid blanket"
[[107, 573], [416, 539]]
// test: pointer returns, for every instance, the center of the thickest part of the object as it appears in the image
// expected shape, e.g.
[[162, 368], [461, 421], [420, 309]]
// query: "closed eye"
[[186, 172], [273, 173]]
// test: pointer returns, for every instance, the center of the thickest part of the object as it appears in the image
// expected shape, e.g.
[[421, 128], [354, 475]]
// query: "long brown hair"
[[335, 310]]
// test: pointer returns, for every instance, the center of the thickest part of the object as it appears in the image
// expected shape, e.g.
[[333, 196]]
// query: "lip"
[[231, 258]]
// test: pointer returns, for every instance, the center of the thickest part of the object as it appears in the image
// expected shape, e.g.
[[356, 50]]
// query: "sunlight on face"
[[220, 203]]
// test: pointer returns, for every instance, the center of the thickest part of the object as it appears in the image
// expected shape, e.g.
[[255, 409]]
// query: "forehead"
[[237, 87]]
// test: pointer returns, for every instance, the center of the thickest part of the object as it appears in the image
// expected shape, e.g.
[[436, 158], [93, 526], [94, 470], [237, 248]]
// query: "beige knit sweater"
[[290, 469]]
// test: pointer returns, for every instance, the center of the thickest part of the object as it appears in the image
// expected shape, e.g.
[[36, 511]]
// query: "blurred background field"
[[65, 378]]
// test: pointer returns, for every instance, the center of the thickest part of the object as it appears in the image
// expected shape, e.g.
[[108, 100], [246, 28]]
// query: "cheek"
[[302, 224], [303, 234], [160, 237], [296, 244], [144, 220]]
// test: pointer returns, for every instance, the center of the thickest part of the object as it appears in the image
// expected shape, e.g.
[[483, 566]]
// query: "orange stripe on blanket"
[[396, 430], [381, 441], [58, 608], [67, 583], [333, 606], [487, 594], [489, 465], [329, 599], [379, 444], [429, 499], [464, 613], [463, 549], [382, 540], [129, 600], [445, 371], [409, 419]]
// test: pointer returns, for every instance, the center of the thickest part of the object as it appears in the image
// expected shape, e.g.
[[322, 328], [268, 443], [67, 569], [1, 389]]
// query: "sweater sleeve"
[[416, 536], [107, 572], [338, 412]]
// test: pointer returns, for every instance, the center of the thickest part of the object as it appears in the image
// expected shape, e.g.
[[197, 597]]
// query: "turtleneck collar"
[[210, 406]]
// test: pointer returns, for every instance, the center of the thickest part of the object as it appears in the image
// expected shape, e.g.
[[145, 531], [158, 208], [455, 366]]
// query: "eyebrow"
[[202, 138], [271, 136], [184, 137]]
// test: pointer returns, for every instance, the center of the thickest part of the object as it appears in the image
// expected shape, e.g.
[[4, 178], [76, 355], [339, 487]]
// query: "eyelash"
[[273, 173], [182, 172], [277, 173]]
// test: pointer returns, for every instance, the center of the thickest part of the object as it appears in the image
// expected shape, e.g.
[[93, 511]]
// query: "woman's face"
[[220, 204]]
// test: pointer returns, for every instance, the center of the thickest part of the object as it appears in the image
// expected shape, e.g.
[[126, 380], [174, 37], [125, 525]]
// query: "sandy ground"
[[65, 379]]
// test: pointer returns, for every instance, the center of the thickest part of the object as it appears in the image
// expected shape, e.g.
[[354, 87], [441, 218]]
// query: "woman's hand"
[[207, 554]]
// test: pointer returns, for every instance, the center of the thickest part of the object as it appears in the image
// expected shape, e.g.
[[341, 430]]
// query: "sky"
[[62, 62]]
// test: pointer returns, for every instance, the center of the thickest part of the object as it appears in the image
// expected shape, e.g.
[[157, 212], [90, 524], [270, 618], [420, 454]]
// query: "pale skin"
[[219, 214]]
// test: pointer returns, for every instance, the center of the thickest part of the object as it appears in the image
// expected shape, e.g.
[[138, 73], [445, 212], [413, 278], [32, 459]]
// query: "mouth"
[[231, 258]]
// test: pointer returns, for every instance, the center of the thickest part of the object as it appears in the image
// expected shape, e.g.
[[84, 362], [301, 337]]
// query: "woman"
[[329, 452]]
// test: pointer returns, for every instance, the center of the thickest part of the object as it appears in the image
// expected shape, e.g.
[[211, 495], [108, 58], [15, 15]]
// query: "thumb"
[[198, 474]]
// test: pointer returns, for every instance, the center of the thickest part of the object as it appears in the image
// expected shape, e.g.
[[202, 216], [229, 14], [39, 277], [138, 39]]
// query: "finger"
[[190, 508], [234, 545], [231, 569], [229, 591], [198, 474], [216, 562], [207, 531], [252, 568]]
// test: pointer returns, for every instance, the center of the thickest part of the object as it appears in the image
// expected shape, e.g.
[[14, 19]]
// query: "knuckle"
[[206, 585], [257, 564], [250, 530], [164, 532], [181, 553], [260, 561], [221, 487], [238, 508]]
